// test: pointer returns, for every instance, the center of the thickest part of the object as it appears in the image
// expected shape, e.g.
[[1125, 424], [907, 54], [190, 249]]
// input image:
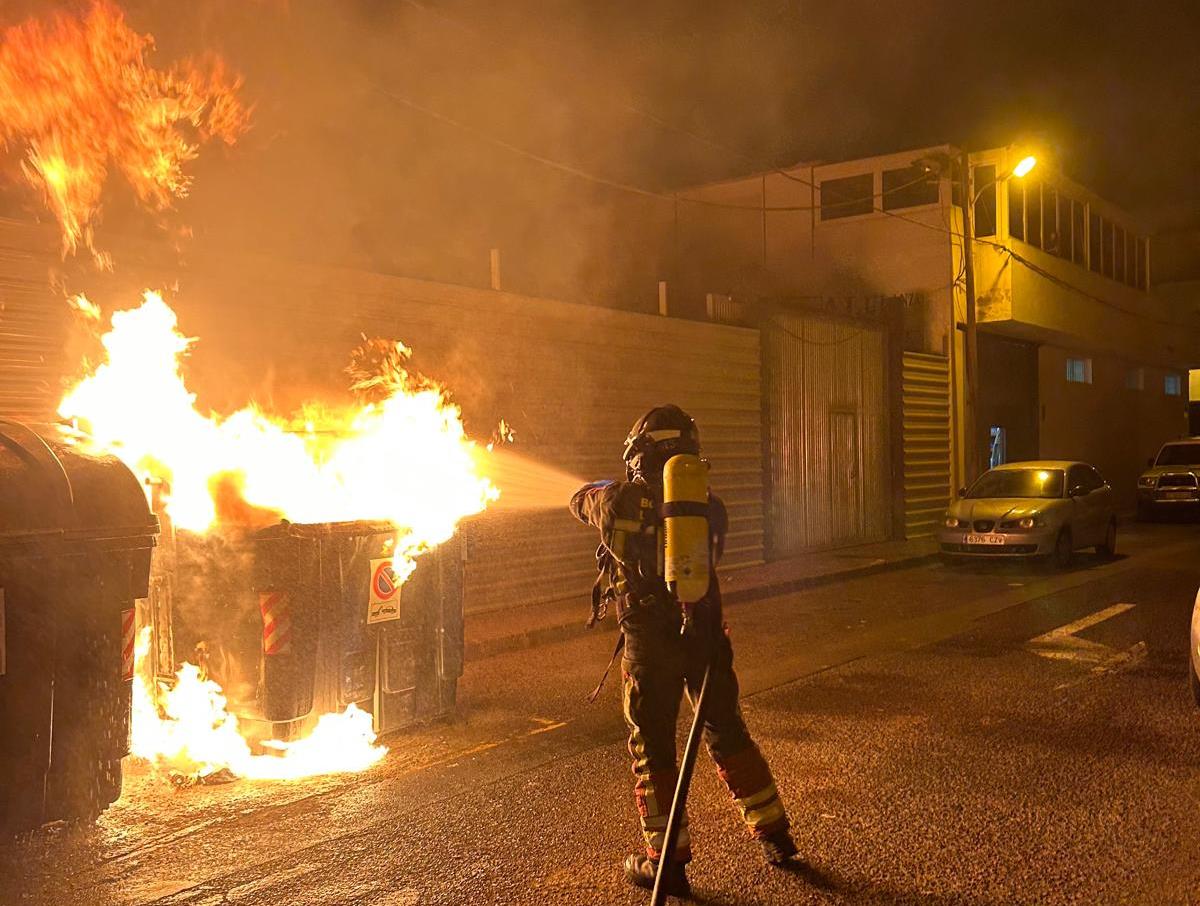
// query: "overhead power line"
[[612, 97], [614, 184]]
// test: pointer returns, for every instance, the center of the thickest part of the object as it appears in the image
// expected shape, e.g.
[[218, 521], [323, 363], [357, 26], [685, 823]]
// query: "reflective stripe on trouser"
[[749, 780], [653, 795]]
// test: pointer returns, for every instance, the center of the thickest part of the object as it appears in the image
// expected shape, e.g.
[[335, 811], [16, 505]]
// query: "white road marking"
[[1063, 643], [1122, 660]]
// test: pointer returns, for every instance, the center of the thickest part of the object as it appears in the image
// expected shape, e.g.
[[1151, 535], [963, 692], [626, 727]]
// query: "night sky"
[[379, 124], [1112, 87]]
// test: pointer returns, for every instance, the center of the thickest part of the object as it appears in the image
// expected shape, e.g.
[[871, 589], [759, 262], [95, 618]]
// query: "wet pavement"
[[969, 734]]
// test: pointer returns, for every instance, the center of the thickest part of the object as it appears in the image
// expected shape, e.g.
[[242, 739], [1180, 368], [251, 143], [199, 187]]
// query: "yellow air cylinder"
[[685, 518]]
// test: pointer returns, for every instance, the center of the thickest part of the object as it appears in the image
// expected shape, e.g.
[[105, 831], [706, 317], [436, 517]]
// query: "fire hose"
[[679, 803]]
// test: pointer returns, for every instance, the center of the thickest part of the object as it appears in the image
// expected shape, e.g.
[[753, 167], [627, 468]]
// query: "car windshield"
[[1179, 455], [1018, 483]]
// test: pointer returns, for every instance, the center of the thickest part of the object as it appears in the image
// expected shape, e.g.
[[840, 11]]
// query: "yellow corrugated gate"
[[926, 442], [827, 433], [570, 380]]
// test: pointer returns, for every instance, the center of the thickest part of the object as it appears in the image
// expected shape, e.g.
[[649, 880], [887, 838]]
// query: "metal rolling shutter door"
[[33, 329], [926, 442]]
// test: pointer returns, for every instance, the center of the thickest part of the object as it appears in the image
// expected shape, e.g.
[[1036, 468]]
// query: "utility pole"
[[971, 344]]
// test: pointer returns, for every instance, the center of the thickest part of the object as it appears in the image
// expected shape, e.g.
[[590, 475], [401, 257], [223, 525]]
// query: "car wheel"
[[1108, 549], [1194, 682], [1064, 549]]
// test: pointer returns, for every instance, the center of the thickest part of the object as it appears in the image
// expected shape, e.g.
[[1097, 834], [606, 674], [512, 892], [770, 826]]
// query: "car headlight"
[[1147, 481], [1030, 522], [953, 522]]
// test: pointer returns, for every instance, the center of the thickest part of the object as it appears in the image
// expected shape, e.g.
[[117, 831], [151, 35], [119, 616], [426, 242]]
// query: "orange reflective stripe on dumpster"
[[277, 622], [128, 640]]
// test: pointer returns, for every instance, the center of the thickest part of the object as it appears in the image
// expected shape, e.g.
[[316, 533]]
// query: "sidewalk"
[[488, 634]]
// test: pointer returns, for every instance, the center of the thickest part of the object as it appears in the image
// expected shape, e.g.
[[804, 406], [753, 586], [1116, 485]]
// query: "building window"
[[1078, 238], [1140, 264], [985, 204], [1106, 247], [1135, 379], [1079, 371], [1064, 227], [1131, 242], [1119, 254], [1094, 255], [909, 187], [848, 196], [997, 446], [1016, 209], [1033, 214], [1173, 385], [1051, 238]]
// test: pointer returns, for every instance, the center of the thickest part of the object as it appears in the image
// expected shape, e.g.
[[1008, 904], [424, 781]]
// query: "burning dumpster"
[[308, 563], [298, 621], [76, 535]]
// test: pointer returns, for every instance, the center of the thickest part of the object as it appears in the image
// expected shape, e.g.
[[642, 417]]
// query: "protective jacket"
[[629, 558]]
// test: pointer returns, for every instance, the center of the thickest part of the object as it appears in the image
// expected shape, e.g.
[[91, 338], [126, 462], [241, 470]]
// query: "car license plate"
[[1176, 495], [985, 539]]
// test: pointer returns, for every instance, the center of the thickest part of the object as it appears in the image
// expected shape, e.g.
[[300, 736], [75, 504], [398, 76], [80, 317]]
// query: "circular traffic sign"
[[383, 583]]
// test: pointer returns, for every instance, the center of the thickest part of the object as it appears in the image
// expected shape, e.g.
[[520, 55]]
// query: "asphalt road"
[[982, 735]]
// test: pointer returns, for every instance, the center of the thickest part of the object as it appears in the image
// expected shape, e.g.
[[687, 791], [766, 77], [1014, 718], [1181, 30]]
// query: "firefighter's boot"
[[641, 870], [778, 848]]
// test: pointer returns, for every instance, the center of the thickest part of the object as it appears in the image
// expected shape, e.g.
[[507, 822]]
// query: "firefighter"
[[660, 661]]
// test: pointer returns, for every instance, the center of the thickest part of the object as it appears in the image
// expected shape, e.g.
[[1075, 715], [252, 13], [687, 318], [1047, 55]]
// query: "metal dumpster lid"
[[325, 529], [51, 488]]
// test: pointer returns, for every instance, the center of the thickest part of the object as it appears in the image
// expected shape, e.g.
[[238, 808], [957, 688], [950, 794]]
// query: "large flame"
[[78, 99], [402, 457], [185, 727]]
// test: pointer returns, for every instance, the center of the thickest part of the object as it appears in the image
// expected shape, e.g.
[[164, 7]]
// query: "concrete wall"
[[1106, 423]]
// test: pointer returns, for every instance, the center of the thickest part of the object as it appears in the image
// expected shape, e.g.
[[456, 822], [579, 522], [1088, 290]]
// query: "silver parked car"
[[1169, 481], [1047, 508]]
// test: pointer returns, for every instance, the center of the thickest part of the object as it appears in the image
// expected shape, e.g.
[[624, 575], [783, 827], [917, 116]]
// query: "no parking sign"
[[384, 602]]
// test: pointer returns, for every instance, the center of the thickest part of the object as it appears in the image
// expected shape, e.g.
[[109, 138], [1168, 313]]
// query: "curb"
[[545, 635]]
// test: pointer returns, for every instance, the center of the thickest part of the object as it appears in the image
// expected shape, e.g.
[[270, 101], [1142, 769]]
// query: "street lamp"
[[971, 343], [1024, 165], [1019, 170]]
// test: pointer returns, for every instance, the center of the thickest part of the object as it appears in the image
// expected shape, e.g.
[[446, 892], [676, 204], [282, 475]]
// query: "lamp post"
[[971, 463]]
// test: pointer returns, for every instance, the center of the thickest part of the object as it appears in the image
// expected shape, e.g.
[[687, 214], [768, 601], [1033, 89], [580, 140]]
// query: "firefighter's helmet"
[[661, 433]]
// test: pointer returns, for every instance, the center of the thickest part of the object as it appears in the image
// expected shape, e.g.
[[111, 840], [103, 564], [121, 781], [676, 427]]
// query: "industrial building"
[[1078, 354]]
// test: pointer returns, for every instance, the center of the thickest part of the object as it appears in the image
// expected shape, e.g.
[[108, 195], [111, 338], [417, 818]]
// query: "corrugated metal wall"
[[33, 322], [570, 379], [827, 433], [926, 442]]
